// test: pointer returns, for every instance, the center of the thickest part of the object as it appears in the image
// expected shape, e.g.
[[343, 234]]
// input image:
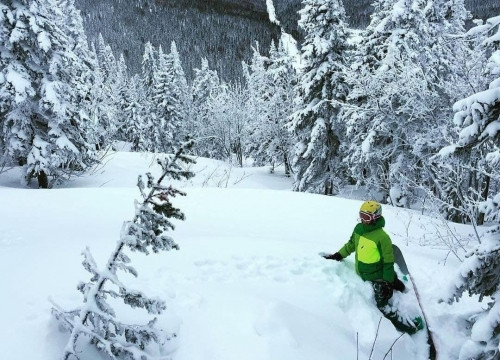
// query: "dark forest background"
[[223, 31]]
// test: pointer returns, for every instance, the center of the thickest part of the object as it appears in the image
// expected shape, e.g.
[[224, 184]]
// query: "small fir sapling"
[[96, 319]]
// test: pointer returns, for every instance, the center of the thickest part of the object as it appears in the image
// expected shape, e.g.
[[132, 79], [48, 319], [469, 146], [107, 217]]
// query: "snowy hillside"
[[247, 282]]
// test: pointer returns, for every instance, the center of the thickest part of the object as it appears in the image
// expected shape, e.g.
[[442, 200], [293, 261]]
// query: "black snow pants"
[[383, 293]]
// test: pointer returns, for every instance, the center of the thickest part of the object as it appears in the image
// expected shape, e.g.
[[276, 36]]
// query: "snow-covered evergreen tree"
[[400, 97], [150, 63], [108, 86], [43, 89], [259, 88], [488, 126], [170, 99], [459, 69], [139, 128], [479, 275], [317, 123], [82, 77], [182, 92], [478, 117], [204, 84], [284, 77], [96, 318], [104, 113], [123, 88], [258, 82], [166, 104], [149, 66], [106, 58], [472, 176]]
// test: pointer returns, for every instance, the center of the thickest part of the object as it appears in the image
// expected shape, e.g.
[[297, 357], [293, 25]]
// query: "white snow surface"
[[272, 12], [290, 45], [247, 282]]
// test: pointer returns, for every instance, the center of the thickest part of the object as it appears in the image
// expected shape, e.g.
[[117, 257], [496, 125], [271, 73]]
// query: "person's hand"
[[336, 257]]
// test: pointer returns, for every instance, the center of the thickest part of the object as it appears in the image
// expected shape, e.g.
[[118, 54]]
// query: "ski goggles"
[[367, 217]]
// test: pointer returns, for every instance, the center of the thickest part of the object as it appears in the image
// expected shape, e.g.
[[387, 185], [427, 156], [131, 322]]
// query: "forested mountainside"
[[223, 31]]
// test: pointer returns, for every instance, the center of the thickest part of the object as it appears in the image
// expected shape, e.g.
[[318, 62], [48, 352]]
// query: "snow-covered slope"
[[247, 282]]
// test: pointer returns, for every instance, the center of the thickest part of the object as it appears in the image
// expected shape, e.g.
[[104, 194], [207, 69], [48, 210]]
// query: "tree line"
[[214, 30], [219, 30]]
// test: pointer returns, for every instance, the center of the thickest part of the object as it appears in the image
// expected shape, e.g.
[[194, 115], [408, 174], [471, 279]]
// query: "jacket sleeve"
[[388, 258], [348, 248]]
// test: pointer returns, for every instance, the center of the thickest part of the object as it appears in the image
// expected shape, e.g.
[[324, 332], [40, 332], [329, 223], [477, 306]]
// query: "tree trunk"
[[43, 181], [287, 165], [239, 154], [484, 196], [328, 187]]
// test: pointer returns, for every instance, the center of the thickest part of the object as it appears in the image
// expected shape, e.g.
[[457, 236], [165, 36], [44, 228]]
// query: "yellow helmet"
[[370, 211]]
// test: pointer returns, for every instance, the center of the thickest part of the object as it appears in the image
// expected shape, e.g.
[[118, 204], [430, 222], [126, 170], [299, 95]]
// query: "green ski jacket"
[[373, 248]]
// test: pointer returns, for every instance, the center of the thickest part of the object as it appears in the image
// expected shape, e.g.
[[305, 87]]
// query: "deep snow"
[[247, 282]]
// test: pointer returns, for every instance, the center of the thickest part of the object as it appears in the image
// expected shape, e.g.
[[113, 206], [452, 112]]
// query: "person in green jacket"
[[374, 261]]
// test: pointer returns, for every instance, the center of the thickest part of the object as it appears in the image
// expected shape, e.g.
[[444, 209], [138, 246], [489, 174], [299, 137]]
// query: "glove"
[[398, 285], [336, 257]]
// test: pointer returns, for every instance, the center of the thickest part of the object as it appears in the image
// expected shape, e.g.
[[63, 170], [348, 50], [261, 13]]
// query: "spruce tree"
[[123, 86], [150, 63], [284, 76], [321, 88], [149, 68], [260, 89], [107, 92], [96, 319], [139, 129], [204, 84], [105, 57], [82, 77], [467, 176], [166, 104], [400, 96], [181, 88], [44, 88], [179, 93], [458, 68], [478, 117], [105, 114]]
